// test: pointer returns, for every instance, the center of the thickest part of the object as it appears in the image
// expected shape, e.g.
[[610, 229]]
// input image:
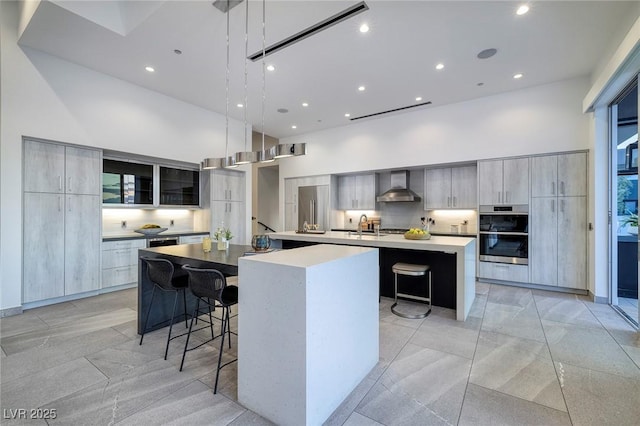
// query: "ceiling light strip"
[[308, 32], [389, 111]]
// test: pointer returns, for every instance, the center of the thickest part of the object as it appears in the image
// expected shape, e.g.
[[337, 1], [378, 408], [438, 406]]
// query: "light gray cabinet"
[[120, 262], [503, 272], [503, 181], [229, 214], [558, 241], [62, 220], [451, 188], [191, 239], [290, 217], [559, 175], [543, 240], [43, 246], [55, 168], [43, 167], [572, 242], [357, 192], [227, 185], [81, 243], [228, 203], [82, 171]]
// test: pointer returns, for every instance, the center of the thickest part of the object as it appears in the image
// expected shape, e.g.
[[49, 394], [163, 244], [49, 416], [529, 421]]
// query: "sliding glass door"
[[625, 262]]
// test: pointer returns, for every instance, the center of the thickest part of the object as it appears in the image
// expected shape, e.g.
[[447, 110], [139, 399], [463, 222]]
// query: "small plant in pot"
[[631, 223], [222, 236]]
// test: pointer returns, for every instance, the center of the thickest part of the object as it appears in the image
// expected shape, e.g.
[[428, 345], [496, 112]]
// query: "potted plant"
[[222, 236], [631, 223]]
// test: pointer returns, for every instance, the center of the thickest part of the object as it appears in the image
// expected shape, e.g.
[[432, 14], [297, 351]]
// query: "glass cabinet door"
[[179, 187], [124, 182]]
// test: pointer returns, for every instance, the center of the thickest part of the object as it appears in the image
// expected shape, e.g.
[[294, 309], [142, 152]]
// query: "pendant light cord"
[[226, 146], [246, 54], [264, 77]]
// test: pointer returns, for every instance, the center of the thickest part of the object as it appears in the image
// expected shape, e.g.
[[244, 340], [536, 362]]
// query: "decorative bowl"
[[409, 236], [150, 231], [260, 242]]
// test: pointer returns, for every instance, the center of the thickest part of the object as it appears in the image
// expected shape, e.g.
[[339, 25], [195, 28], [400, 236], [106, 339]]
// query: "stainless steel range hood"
[[399, 191]]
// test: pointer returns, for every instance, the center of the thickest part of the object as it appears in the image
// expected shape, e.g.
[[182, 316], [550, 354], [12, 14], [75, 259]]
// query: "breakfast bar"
[[452, 259]]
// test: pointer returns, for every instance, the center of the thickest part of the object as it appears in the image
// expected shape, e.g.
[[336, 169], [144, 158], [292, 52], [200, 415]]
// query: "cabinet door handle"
[[60, 183], [498, 197], [454, 201], [507, 198], [553, 188], [562, 188], [553, 206], [59, 204], [448, 201], [229, 207], [561, 206], [69, 184], [69, 202]]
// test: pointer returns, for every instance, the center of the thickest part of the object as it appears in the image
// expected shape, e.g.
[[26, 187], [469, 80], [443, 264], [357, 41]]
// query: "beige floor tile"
[[514, 320], [356, 419], [487, 407], [517, 367], [589, 348], [448, 335], [596, 398]]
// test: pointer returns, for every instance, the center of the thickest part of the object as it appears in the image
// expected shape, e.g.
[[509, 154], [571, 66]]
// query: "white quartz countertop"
[[435, 243], [309, 256]]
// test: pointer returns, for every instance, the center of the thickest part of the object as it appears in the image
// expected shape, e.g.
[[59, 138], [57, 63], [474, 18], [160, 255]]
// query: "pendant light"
[[226, 161], [290, 149], [245, 157]]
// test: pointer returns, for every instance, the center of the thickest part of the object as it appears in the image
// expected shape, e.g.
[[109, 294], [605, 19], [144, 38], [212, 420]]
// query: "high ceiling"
[[395, 60]]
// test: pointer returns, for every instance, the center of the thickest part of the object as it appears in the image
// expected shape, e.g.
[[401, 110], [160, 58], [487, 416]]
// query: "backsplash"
[[183, 220], [445, 218]]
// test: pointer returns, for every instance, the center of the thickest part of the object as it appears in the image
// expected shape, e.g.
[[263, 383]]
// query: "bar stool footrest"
[[409, 316]]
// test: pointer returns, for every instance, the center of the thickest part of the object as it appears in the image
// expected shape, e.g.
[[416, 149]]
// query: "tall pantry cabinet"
[[61, 220], [558, 220]]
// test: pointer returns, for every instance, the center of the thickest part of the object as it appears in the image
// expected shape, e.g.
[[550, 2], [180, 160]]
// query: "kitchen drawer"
[[504, 272], [191, 239], [124, 244], [118, 276]]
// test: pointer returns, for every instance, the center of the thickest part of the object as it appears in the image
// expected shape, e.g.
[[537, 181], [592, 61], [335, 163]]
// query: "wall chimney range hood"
[[399, 191]]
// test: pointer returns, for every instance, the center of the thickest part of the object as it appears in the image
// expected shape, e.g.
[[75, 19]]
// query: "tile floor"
[[523, 357]]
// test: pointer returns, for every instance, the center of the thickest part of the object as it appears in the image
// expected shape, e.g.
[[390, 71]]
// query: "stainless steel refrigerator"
[[313, 206]]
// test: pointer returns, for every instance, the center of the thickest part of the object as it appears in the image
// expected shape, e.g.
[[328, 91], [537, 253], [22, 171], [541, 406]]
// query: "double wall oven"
[[503, 234]]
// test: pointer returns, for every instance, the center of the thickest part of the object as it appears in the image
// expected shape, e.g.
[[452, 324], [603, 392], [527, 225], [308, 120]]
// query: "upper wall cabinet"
[[54, 168], [179, 187], [451, 188], [503, 181], [140, 182], [357, 192], [559, 175]]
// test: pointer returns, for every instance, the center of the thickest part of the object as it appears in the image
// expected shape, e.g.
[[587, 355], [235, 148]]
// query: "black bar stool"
[[161, 274], [210, 287], [411, 270]]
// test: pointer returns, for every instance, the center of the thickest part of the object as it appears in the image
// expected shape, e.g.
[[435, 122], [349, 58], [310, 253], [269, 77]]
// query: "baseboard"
[[9, 312], [598, 299]]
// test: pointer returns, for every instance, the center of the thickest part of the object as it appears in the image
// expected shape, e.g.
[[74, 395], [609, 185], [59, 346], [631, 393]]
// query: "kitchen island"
[[226, 261], [452, 259], [307, 330]]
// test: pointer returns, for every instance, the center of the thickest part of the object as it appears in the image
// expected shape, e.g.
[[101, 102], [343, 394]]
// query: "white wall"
[[536, 120], [45, 97]]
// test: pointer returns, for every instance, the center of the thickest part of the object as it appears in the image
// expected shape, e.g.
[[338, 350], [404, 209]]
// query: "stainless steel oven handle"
[[523, 234]]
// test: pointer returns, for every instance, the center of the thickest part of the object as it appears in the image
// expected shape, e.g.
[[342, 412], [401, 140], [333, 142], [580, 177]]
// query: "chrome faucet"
[[366, 219]]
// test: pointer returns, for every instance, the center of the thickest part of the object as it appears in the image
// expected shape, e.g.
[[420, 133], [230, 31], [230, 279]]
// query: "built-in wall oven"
[[503, 234], [161, 242]]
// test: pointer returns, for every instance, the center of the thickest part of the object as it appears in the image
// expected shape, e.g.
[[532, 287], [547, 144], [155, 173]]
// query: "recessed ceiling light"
[[440, 66], [487, 53], [177, 51], [271, 68], [480, 84], [283, 110], [517, 76], [419, 98], [240, 105], [304, 104], [361, 88], [294, 127], [150, 69], [522, 10], [364, 28], [347, 115]]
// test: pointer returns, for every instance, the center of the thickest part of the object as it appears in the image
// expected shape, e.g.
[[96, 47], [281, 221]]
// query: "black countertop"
[[195, 252], [135, 236]]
